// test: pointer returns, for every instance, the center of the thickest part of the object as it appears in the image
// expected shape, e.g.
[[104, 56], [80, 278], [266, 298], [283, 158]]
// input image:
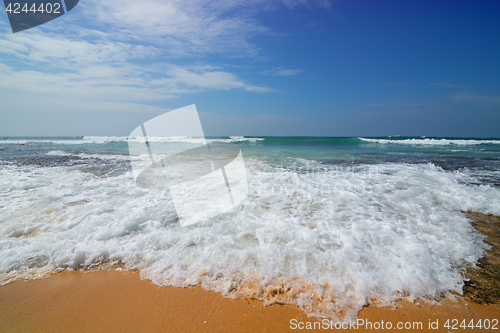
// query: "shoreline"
[[484, 284], [115, 300], [119, 301]]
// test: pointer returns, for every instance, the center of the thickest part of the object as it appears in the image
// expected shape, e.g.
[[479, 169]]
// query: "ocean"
[[329, 224]]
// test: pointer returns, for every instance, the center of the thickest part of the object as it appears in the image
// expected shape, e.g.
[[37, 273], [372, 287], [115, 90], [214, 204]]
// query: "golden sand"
[[119, 301]]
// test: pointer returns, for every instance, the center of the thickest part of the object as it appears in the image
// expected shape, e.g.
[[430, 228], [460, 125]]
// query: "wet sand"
[[484, 284], [119, 301]]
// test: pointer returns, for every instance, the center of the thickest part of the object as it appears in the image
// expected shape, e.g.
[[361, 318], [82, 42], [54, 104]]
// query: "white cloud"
[[181, 77], [58, 50], [191, 27], [122, 52], [107, 83]]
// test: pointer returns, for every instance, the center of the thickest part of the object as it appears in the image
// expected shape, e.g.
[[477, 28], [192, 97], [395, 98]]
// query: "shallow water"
[[329, 224]]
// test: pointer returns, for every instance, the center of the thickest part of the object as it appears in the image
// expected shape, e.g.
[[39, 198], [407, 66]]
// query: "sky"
[[257, 68]]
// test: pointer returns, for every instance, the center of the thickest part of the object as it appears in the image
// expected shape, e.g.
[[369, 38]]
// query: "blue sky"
[[290, 67]]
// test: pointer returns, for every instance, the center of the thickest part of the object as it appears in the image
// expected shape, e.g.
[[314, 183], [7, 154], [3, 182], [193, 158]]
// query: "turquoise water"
[[448, 153], [357, 220]]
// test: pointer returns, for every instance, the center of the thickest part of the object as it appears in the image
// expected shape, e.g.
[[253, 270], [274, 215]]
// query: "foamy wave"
[[327, 241], [92, 156], [193, 140], [242, 139], [109, 139], [435, 142], [76, 141], [58, 153]]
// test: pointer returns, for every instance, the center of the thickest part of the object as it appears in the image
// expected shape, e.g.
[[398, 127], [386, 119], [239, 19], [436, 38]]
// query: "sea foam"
[[434, 142], [88, 140], [327, 240]]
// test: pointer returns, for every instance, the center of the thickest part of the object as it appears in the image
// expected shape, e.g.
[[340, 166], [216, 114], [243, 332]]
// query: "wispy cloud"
[[60, 51], [483, 100], [191, 27], [181, 28], [123, 51], [282, 72], [388, 113], [219, 80], [398, 104], [446, 85], [107, 83]]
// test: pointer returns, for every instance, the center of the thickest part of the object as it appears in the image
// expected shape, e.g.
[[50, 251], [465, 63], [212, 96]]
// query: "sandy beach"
[[119, 301], [100, 248]]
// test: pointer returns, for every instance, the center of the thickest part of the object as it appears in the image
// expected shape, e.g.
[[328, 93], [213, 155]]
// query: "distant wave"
[[66, 140], [110, 139], [435, 142], [90, 156], [57, 153], [187, 139]]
